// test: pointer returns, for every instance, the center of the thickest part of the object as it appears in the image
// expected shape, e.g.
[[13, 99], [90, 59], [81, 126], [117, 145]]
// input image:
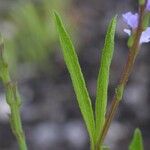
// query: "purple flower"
[[131, 19], [132, 22], [145, 37], [148, 5]]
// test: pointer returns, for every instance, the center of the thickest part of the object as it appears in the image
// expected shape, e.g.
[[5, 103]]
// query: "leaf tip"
[[138, 132]]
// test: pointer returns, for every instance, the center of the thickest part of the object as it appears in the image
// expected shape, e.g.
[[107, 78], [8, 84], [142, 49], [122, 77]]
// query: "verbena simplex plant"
[[98, 124], [13, 100]]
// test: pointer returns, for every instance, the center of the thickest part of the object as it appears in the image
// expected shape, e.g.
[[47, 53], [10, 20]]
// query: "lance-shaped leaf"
[[103, 77], [74, 69], [137, 142]]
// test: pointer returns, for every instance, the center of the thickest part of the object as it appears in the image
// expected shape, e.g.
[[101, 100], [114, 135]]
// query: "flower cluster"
[[132, 21]]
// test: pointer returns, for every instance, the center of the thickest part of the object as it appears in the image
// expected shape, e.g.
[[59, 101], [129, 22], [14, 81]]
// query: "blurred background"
[[50, 113]]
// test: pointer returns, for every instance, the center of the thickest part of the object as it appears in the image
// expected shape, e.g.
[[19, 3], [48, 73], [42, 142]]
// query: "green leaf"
[[137, 142], [77, 78], [103, 77]]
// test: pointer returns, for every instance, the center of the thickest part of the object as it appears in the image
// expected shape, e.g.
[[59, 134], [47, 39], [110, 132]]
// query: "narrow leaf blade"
[[103, 77], [77, 78], [137, 142]]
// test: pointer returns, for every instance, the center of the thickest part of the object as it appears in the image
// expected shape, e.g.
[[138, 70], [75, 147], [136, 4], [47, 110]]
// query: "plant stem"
[[15, 119], [13, 100], [124, 77]]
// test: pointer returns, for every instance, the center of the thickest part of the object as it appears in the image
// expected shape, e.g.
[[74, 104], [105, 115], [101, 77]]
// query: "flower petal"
[[131, 19], [148, 5], [145, 37], [127, 31]]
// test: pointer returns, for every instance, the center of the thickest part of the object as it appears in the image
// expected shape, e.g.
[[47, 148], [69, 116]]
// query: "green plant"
[[13, 100], [98, 124], [94, 128]]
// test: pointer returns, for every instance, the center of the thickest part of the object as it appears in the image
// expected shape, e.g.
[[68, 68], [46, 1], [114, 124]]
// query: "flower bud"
[[146, 20]]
